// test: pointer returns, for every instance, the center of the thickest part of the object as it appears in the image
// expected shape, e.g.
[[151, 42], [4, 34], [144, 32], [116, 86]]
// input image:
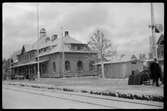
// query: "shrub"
[[21, 84], [51, 88], [112, 94], [35, 86], [84, 91], [65, 89]]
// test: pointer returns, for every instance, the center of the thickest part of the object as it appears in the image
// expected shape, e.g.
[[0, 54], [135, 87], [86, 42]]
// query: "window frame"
[[67, 66], [54, 66], [80, 67], [91, 67]]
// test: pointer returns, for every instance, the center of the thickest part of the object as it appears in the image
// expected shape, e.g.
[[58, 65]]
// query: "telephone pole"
[[153, 45], [38, 70], [62, 52]]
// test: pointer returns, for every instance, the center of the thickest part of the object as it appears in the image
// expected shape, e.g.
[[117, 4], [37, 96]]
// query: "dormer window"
[[66, 33], [47, 39], [53, 46], [79, 47], [54, 37]]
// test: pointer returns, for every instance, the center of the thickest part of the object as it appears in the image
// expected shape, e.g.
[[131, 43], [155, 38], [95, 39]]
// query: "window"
[[79, 47], [80, 65], [24, 57], [43, 68], [72, 47], [47, 39], [40, 51], [91, 67], [30, 56], [67, 66], [53, 46], [54, 66]]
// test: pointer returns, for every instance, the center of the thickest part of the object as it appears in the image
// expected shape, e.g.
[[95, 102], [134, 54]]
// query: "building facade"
[[58, 57]]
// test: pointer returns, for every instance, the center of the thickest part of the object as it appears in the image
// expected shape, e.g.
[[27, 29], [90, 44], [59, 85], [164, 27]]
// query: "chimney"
[[66, 33], [43, 32]]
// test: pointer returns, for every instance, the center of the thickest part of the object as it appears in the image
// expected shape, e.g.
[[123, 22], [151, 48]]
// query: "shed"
[[120, 69]]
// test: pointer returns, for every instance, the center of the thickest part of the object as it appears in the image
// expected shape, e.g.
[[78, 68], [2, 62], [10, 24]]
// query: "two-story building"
[[78, 57]]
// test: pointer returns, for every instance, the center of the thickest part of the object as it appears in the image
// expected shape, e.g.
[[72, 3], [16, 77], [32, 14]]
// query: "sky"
[[125, 24]]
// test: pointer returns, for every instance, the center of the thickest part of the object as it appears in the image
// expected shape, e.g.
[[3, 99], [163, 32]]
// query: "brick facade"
[[78, 58], [73, 59]]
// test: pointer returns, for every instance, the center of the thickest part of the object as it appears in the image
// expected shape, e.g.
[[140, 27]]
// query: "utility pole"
[[62, 52], [153, 45], [38, 70]]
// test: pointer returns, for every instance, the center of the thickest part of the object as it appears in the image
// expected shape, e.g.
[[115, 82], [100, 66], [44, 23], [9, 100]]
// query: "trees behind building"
[[5, 68], [102, 45]]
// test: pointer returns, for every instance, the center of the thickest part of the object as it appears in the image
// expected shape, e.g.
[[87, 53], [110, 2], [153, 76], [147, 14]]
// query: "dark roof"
[[42, 43], [70, 40], [28, 63]]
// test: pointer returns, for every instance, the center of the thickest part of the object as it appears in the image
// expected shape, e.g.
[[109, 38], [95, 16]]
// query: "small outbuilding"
[[120, 68]]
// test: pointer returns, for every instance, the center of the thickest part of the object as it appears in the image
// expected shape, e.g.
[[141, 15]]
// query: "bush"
[[51, 88], [84, 91], [155, 98], [65, 89], [35, 86], [22, 85], [112, 94]]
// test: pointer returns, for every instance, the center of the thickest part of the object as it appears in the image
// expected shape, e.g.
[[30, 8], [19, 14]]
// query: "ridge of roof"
[[42, 43], [71, 40]]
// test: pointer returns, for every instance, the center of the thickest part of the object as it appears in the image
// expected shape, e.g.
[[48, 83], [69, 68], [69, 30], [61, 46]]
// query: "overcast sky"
[[125, 24]]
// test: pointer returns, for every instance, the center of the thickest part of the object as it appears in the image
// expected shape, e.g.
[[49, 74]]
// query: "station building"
[[78, 57]]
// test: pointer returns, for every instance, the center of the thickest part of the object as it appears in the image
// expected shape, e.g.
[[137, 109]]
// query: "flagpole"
[[38, 70]]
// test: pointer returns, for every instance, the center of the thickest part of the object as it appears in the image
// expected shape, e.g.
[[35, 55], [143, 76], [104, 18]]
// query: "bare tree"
[[6, 68], [102, 45]]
